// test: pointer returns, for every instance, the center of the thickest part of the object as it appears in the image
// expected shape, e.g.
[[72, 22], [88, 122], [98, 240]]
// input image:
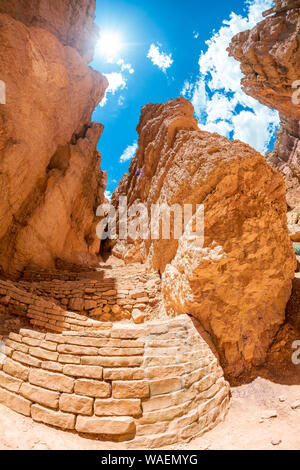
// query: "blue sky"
[[152, 51]]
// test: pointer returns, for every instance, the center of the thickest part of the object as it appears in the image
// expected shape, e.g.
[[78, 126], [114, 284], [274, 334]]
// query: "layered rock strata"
[[50, 177], [270, 61], [72, 22], [115, 296], [153, 385], [233, 282]]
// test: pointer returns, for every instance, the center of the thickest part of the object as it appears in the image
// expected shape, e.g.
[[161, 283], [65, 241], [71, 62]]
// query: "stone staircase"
[[58, 300], [110, 293], [147, 385], [81, 364]]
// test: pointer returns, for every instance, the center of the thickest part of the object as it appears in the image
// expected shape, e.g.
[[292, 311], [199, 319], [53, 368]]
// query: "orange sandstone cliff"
[[50, 177], [270, 61], [238, 283]]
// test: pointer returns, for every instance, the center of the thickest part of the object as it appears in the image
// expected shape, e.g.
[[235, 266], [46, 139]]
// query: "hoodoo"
[[229, 282]]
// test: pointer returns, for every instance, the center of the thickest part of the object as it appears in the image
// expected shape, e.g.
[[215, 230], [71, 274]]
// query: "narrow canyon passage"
[[182, 326]]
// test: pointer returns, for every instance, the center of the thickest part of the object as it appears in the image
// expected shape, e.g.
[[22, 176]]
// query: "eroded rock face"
[[72, 22], [238, 283], [270, 60], [286, 157], [50, 176], [153, 175]]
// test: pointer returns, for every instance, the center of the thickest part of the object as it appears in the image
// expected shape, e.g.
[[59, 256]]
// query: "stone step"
[[85, 388]]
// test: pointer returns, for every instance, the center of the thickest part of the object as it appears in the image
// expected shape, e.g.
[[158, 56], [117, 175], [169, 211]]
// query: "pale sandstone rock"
[[112, 407], [167, 385], [76, 404], [124, 389], [138, 316], [295, 405], [293, 218], [54, 418], [113, 426], [50, 380], [39, 395], [72, 22], [15, 369], [92, 388], [68, 359], [92, 372], [267, 414], [26, 359], [15, 402], [123, 374], [10, 383]]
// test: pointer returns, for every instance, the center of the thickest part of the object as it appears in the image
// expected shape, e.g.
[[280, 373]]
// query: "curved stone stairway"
[[146, 385]]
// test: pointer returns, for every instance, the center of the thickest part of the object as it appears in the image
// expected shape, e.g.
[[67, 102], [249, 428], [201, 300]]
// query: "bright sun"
[[109, 44]]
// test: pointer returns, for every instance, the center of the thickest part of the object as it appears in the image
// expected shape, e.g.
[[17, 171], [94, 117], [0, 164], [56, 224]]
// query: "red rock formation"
[[270, 60], [72, 22], [239, 282], [50, 176], [286, 157]]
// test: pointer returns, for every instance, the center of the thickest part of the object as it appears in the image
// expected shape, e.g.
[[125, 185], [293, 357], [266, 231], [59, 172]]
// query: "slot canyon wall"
[[234, 285], [238, 284], [270, 61], [50, 177]]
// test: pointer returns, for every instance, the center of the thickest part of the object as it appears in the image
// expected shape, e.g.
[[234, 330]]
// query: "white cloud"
[[199, 98], [159, 58], [121, 100], [220, 107], [220, 104], [255, 128], [108, 194], [103, 102], [196, 92], [125, 66], [220, 127], [116, 82], [129, 152], [187, 88]]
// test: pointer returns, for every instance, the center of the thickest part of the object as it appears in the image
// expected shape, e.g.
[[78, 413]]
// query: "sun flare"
[[110, 44]]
